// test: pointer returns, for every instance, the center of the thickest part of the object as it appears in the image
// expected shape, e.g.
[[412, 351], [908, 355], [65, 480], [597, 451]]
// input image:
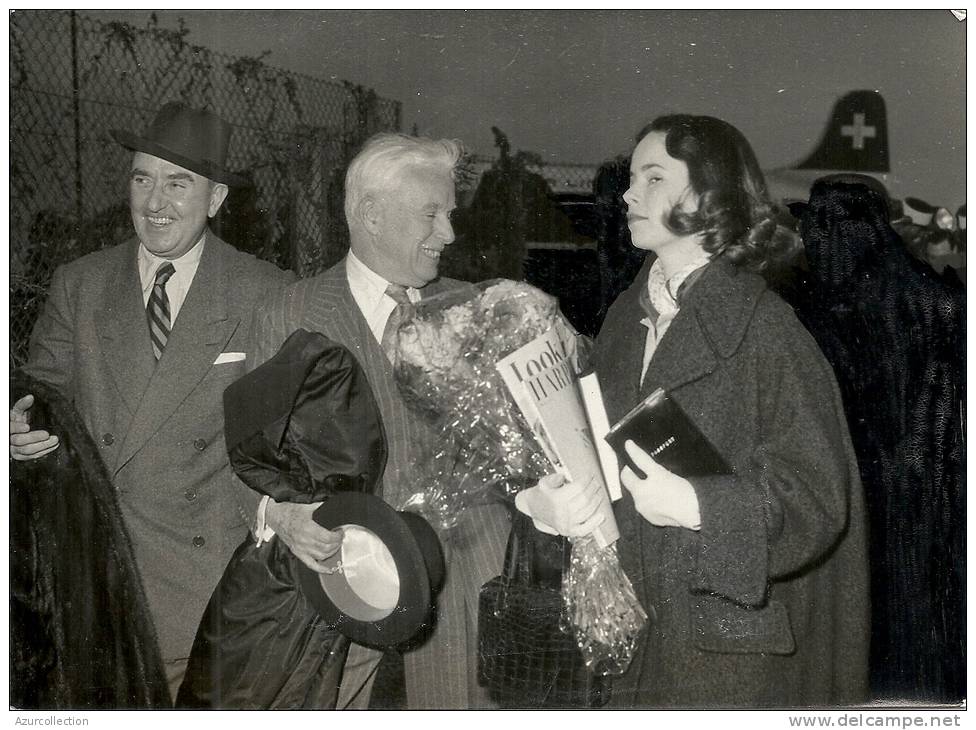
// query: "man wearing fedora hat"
[[399, 197], [143, 338]]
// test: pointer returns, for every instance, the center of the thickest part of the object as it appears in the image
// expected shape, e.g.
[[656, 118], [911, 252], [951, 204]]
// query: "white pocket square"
[[229, 357]]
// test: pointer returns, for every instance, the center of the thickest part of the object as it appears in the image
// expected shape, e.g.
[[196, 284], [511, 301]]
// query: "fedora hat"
[[304, 427], [382, 583], [196, 139]]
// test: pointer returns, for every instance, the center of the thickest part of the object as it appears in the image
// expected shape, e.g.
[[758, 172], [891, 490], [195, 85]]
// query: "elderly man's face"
[[413, 227], [170, 205]]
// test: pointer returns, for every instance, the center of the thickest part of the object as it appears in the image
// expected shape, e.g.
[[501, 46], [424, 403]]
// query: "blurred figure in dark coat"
[[893, 330]]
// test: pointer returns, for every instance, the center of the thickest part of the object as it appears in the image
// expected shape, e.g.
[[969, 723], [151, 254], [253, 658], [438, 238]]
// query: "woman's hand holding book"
[[662, 498]]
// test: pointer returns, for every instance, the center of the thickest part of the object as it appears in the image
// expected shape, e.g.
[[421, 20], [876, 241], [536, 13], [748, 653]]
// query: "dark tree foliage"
[[512, 209], [246, 226], [619, 260], [491, 231]]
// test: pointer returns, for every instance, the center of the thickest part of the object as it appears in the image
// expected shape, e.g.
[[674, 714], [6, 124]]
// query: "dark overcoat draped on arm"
[[302, 428], [81, 636]]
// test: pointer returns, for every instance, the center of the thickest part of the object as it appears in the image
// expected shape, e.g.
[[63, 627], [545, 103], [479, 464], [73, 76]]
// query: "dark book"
[[659, 426]]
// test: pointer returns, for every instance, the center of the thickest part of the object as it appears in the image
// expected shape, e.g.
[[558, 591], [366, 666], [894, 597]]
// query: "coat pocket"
[[726, 628]]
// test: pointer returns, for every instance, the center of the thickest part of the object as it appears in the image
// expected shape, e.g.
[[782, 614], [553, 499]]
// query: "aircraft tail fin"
[[856, 138]]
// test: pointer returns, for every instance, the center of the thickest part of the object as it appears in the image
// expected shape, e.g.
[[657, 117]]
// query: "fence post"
[[76, 94]]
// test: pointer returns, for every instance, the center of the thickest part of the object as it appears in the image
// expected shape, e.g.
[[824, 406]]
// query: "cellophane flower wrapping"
[[445, 367]]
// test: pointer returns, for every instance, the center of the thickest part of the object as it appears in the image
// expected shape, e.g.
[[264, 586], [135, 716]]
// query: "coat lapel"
[[342, 318], [711, 325], [370, 351], [621, 344], [123, 332], [683, 355], [628, 348], [199, 334]]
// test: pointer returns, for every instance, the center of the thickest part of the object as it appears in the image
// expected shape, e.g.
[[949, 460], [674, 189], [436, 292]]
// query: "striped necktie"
[[157, 311], [404, 307]]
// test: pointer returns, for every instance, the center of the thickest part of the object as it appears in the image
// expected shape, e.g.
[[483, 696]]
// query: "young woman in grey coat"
[[755, 582]]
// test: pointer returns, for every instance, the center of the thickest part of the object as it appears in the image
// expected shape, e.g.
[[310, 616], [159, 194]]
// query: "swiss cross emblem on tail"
[[856, 137], [858, 131]]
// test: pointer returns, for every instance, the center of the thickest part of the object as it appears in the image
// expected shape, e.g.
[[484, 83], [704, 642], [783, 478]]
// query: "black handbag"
[[524, 658]]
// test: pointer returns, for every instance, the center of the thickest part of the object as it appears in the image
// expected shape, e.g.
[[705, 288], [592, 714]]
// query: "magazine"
[[543, 379]]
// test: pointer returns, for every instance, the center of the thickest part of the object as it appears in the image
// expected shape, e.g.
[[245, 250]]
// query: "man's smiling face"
[[170, 205], [413, 226]]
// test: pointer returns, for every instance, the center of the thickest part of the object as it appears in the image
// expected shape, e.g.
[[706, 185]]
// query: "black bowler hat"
[[196, 139], [797, 208], [382, 582], [304, 427]]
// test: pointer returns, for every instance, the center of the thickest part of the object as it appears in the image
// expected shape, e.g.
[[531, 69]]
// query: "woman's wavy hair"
[[735, 215]]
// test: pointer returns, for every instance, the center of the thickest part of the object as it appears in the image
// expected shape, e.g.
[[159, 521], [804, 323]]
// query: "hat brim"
[[413, 609], [798, 208], [202, 167]]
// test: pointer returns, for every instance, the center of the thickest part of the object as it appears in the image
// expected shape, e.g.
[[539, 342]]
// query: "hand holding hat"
[[309, 542], [304, 429], [379, 588]]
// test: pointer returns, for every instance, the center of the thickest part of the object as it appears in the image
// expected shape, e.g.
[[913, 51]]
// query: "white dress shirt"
[[369, 290], [179, 283]]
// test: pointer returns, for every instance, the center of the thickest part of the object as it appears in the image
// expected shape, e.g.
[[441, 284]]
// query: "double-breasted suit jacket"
[[442, 672], [768, 603], [159, 426]]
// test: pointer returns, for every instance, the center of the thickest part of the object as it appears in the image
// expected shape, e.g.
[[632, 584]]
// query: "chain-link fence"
[[73, 79]]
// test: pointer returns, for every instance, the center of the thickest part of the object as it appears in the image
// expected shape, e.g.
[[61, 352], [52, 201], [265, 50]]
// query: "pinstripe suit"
[[440, 674]]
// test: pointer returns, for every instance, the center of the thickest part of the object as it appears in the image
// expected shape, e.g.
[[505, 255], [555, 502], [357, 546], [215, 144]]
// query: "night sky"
[[574, 86]]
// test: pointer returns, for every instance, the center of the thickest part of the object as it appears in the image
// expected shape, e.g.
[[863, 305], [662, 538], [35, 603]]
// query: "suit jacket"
[[441, 673], [768, 603], [159, 427]]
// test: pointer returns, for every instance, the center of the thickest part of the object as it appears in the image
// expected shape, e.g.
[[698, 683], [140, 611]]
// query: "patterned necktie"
[[157, 311], [404, 307]]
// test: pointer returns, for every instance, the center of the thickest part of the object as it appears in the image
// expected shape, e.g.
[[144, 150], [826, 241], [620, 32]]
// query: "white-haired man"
[[398, 204]]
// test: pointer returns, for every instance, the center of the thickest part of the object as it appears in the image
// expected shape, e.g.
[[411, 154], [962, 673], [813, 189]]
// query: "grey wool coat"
[[766, 605], [442, 672], [159, 428]]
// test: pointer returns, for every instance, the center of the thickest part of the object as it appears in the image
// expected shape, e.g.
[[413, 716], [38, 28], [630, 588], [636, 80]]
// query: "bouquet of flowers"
[[481, 363]]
